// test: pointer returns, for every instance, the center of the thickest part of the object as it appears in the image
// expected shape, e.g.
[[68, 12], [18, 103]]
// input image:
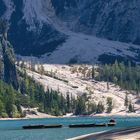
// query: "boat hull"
[[111, 124], [33, 127], [41, 126], [86, 125], [53, 126]]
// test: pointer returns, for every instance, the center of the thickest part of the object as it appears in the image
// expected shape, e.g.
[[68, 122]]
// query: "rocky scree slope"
[[40, 26]]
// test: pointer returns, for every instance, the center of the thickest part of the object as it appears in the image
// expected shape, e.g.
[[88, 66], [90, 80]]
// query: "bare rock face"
[[114, 19], [31, 32], [111, 19], [34, 28]]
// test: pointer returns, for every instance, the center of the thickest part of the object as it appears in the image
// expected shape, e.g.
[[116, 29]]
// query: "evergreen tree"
[[126, 101], [68, 102], [10, 101], [1, 108], [109, 104], [100, 107], [107, 85], [93, 72], [131, 107], [41, 70], [4, 27], [92, 108], [80, 106], [126, 76]]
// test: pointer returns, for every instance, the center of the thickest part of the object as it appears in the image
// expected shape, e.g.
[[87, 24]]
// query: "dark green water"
[[12, 130]]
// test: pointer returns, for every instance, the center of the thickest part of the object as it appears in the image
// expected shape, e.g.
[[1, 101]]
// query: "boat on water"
[[53, 126], [87, 125], [101, 125], [42, 126], [81, 125], [33, 127], [112, 122]]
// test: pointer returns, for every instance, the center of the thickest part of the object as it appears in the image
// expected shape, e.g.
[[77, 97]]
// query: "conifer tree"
[[109, 104], [93, 72], [80, 106], [100, 107], [126, 101]]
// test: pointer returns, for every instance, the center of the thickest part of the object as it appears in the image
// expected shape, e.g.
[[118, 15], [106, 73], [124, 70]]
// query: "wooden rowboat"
[[112, 122], [53, 126], [86, 125], [101, 125], [33, 127], [81, 125], [41, 126]]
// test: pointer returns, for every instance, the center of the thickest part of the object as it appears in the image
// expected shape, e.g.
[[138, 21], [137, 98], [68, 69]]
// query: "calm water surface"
[[12, 130]]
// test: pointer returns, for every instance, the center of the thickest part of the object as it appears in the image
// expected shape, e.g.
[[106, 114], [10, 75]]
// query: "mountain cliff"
[[28, 26], [7, 59], [42, 26], [111, 19]]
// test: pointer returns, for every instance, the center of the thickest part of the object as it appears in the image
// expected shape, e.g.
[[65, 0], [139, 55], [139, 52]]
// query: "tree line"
[[126, 76]]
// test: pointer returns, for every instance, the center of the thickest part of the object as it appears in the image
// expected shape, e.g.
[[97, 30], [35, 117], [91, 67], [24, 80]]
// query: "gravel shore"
[[132, 133]]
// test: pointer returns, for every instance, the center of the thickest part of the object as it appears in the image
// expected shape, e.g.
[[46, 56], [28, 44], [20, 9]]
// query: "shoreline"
[[133, 133], [50, 116]]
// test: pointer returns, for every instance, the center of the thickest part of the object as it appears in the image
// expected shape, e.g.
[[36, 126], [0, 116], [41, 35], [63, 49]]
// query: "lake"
[[12, 129]]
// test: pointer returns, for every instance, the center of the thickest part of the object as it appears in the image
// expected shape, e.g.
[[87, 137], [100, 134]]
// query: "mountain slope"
[[70, 79], [81, 48], [111, 19], [49, 26], [29, 33]]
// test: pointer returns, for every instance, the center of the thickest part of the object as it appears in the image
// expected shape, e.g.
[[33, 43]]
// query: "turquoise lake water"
[[12, 130]]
